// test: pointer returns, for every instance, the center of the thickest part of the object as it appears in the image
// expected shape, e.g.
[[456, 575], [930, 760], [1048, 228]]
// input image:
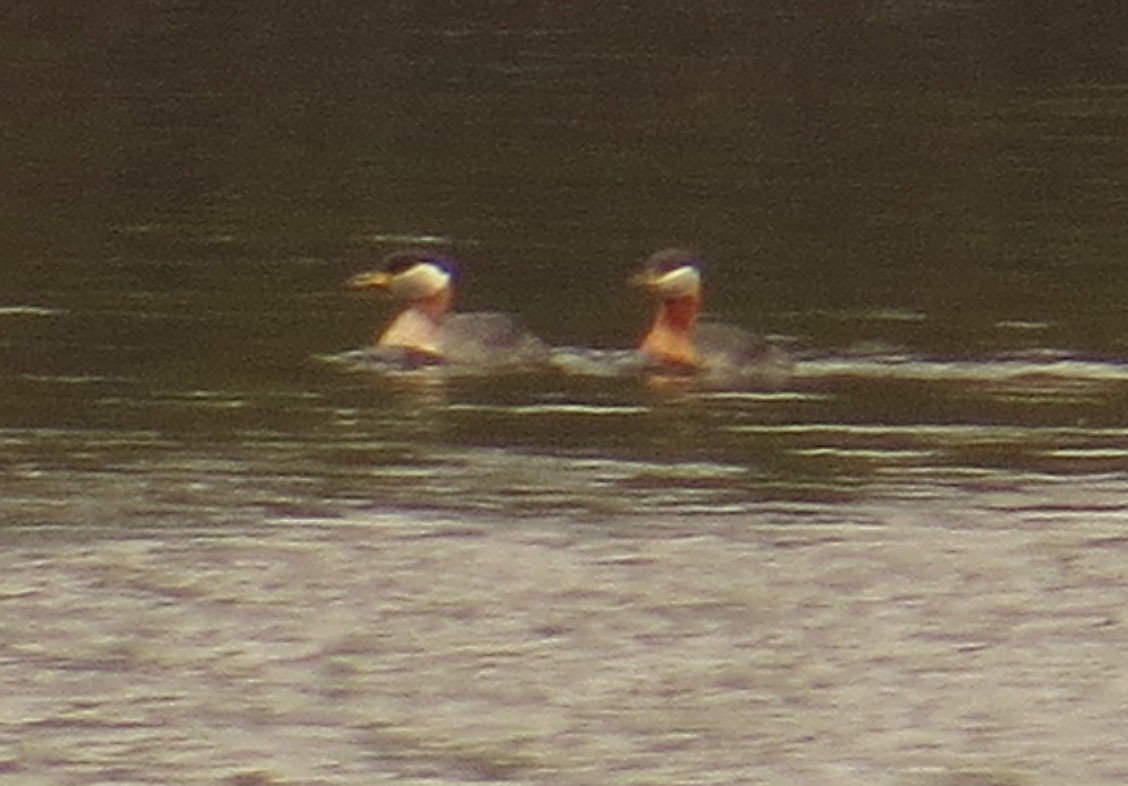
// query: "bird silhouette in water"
[[676, 344], [426, 332]]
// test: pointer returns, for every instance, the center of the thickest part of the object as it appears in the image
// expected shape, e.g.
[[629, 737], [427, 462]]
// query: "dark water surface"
[[227, 561]]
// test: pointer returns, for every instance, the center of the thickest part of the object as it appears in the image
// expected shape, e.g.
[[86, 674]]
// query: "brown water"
[[227, 561]]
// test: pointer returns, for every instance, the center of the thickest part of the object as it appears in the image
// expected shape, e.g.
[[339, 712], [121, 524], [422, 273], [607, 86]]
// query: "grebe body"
[[675, 342], [425, 332]]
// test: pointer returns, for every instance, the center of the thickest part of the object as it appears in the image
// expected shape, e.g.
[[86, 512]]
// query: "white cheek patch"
[[679, 283], [420, 281]]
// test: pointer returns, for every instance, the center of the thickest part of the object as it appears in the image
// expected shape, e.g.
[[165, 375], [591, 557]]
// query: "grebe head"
[[671, 274], [423, 281], [409, 275]]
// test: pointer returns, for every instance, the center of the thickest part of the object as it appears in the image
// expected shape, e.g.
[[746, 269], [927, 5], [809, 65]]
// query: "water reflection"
[[556, 445]]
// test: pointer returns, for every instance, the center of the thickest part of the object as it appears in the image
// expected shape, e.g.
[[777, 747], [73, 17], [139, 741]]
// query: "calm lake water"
[[227, 561]]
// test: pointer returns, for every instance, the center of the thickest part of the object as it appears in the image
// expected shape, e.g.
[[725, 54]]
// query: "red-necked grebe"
[[426, 332], [676, 343]]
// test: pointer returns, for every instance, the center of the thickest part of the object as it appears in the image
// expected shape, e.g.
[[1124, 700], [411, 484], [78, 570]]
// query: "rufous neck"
[[418, 326], [435, 305], [670, 337]]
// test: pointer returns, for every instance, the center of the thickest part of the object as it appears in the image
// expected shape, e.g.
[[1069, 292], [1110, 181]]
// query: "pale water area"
[[224, 560]]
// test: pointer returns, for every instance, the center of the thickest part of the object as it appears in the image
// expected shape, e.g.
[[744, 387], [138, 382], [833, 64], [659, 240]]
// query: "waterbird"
[[426, 332], [675, 343]]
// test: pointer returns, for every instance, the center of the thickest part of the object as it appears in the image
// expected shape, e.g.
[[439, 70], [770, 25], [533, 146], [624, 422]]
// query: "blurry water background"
[[224, 561]]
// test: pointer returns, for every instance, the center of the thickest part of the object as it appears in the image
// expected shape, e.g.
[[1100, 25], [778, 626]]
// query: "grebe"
[[675, 344], [424, 333]]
